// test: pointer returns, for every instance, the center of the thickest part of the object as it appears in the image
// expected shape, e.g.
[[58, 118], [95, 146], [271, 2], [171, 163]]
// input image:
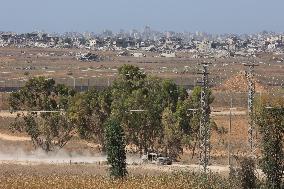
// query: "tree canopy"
[[153, 112], [43, 104]]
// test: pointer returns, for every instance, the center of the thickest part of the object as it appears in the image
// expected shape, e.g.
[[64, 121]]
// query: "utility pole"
[[251, 93], [230, 133], [205, 119]]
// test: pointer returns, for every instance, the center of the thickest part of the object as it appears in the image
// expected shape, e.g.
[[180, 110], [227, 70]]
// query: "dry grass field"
[[17, 65], [90, 176]]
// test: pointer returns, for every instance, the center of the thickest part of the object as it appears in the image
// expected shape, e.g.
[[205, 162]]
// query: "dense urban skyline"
[[220, 16]]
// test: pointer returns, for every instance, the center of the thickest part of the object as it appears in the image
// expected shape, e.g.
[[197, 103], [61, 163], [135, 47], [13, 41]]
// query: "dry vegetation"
[[90, 176], [15, 66]]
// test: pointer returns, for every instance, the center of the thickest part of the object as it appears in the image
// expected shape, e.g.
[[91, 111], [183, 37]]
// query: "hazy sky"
[[214, 16]]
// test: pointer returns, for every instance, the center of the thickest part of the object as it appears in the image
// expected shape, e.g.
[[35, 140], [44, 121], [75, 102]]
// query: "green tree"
[[189, 115], [170, 93], [115, 148], [247, 174], [188, 123], [271, 128], [130, 93], [131, 73], [89, 111], [172, 138], [48, 130], [134, 90]]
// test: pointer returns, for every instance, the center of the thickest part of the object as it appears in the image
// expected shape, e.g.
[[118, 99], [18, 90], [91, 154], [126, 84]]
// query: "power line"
[[205, 119], [251, 95]]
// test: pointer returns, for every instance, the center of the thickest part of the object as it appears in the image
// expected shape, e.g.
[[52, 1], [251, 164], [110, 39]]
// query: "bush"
[[247, 174]]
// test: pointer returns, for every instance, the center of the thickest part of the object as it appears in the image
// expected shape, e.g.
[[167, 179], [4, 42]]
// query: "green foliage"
[[129, 93], [188, 114], [40, 94], [162, 121], [170, 93], [196, 96], [115, 148], [184, 116], [134, 90], [80, 113], [89, 111], [130, 73], [271, 127], [48, 130], [172, 139], [247, 174]]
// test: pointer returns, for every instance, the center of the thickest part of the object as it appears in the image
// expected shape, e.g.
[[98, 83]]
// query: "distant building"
[[92, 42]]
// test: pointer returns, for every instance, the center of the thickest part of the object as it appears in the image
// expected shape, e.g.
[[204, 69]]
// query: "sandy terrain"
[[61, 64], [13, 138]]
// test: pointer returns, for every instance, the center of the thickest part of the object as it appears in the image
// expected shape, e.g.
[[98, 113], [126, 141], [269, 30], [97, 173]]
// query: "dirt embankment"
[[239, 83]]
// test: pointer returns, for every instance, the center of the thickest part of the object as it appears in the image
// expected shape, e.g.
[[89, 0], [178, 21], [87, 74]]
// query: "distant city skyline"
[[216, 17]]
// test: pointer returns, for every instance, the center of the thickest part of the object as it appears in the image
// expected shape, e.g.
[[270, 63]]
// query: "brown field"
[[17, 65], [93, 176]]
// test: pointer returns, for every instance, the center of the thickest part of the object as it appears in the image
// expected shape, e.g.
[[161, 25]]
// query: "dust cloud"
[[60, 156], [18, 155]]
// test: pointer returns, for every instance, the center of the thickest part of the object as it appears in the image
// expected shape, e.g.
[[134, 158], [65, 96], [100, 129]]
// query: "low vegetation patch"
[[177, 180]]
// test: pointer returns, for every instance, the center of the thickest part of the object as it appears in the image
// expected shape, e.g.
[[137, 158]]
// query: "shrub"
[[247, 174]]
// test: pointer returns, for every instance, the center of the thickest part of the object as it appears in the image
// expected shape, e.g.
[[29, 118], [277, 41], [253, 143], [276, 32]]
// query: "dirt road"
[[13, 138], [6, 113], [227, 112]]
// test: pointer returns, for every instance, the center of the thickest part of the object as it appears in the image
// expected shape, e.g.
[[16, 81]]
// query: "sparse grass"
[[61, 62], [178, 181]]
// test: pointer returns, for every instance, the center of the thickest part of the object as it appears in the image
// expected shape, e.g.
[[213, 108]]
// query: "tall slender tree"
[[115, 148]]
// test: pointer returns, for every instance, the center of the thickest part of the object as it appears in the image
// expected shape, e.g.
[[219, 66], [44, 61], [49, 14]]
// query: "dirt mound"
[[239, 83]]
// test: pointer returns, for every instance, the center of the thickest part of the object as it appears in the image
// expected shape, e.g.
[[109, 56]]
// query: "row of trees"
[[153, 113], [143, 112]]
